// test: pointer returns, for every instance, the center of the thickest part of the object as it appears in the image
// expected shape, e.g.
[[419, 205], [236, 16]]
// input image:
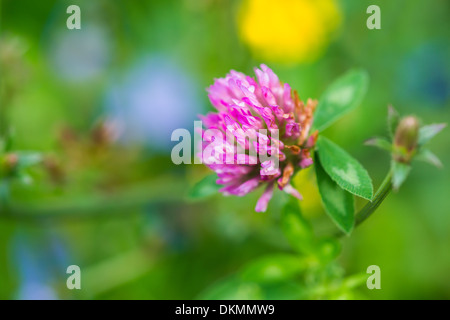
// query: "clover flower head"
[[271, 127]]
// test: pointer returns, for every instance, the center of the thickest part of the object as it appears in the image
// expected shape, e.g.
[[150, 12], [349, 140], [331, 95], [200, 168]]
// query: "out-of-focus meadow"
[[99, 104]]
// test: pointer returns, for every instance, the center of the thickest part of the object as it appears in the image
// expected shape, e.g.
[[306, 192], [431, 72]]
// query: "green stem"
[[121, 202], [381, 194]]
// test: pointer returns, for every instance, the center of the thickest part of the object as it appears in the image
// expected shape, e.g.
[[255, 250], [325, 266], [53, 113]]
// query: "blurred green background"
[[100, 103]]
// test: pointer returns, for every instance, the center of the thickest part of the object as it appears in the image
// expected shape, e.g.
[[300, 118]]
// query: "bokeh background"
[[99, 105]]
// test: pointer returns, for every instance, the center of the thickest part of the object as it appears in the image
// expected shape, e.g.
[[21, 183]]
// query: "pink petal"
[[263, 201], [292, 191], [306, 162]]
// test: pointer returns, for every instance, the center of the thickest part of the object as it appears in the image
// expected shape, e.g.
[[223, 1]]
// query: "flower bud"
[[106, 132], [406, 136], [10, 161]]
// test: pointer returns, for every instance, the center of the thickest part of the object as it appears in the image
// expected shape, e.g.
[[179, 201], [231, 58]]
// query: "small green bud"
[[405, 140]]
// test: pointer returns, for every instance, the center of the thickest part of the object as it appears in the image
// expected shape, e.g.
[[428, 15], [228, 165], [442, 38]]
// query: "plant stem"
[[366, 211], [119, 203], [380, 195]]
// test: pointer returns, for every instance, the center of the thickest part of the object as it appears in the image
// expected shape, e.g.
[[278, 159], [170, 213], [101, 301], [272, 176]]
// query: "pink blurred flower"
[[245, 108]]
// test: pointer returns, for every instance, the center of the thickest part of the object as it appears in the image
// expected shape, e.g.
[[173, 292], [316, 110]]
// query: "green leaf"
[[400, 172], [233, 288], [380, 143], [393, 120], [345, 170], [6, 141], [328, 249], [426, 133], [345, 94], [204, 188], [285, 291], [274, 268], [337, 202], [296, 229], [429, 157]]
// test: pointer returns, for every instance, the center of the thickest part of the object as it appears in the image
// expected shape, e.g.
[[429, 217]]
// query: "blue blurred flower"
[[80, 55], [39, 263], [152, 99], [425, 76]]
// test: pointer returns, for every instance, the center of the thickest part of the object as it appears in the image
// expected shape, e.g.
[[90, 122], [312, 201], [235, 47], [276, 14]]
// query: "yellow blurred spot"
[[288, 31], [305, 182]]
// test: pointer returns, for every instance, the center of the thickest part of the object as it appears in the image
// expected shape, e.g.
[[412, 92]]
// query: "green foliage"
[[296, 228], [393, 119], [426, 133], [402, 155], [233, 288], [343, 95], [429, 157], [328, 249], [400, 172], [274, 268], [300, 275], [345, 170], [204, 188], [337, 202], [380, 143]]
